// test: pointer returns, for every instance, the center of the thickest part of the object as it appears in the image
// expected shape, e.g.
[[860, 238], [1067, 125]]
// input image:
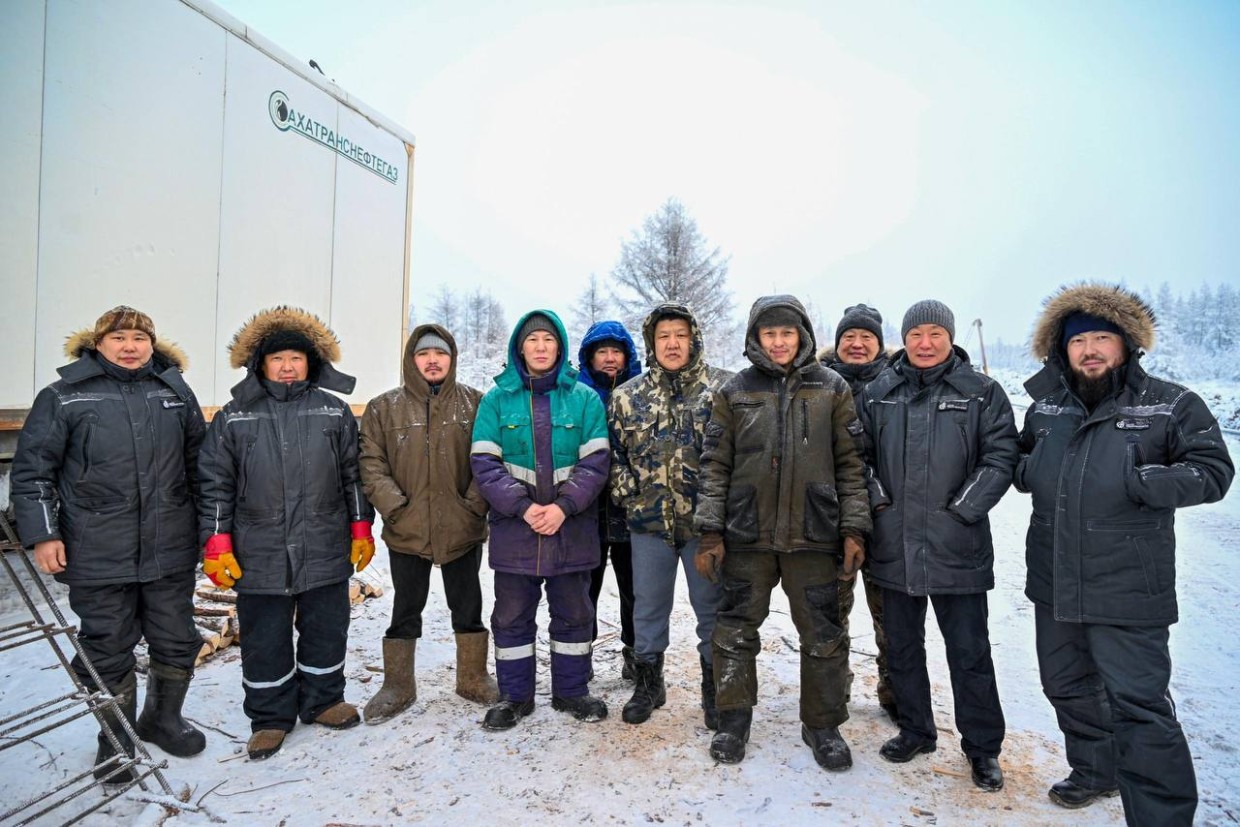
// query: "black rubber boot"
[[1068, 793], [126, 693], [649, 694], [160, 722], [709, 714], [728, 745]]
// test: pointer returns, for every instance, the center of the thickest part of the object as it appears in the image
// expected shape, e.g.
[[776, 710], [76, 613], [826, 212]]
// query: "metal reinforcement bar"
[[22, 727]]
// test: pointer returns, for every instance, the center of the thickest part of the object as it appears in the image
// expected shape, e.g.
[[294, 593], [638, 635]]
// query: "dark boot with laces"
[[583, 707], [649, 693]]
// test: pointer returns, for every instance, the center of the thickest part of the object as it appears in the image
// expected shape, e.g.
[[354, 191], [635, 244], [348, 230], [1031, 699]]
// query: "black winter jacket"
[[106, 463], [279, 473], [1101, 541], [939, 457]]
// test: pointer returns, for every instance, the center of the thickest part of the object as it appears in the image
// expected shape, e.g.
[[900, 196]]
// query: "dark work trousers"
[[622, 564], [514, 627], [874, 600], [113, 618], [809, 580], [1109, 687], [283, 684], [411, 580], [963, 620]]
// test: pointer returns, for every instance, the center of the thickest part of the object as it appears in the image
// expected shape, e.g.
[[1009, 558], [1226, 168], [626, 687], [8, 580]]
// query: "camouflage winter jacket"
[[657, 423], [781, 468]]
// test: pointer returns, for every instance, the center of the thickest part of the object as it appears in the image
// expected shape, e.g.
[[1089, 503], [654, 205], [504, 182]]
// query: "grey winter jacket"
[[279, 471], [939, 457], [781, 470], [106, 463]]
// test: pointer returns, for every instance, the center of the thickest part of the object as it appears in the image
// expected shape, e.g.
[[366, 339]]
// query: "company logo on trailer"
[[287, 119]]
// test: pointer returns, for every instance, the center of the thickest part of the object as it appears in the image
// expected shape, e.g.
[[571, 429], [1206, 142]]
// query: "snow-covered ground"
[[435, 765]]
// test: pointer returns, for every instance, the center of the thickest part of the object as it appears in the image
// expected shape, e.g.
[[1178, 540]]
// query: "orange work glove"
[[709, 558], [218, 561], [363, 545], [854, 557]]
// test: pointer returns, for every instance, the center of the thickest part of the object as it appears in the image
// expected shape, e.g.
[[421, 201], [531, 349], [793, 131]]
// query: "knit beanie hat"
[[535, 322], [929, 311], [861, 317], [123, 317], [1079, 323], [431, 341], [290, 340]]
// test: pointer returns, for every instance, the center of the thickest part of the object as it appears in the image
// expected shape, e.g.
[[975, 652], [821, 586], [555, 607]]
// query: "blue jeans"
[[654, 591]]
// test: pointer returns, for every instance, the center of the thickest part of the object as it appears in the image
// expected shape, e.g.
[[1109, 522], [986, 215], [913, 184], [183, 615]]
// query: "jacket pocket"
[[742, 516], [822, 513]]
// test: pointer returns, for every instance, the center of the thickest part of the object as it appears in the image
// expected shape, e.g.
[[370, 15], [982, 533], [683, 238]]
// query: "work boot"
[[987, 775], [628, 672], [709, 714], [473, 682], [728, 745], [126, 693], [160, 722], [265, 743], [1068, 793], [829, 747], [340, 715], [905, 747], [400, 688], [506, 713], [583, 707], [649, 693]]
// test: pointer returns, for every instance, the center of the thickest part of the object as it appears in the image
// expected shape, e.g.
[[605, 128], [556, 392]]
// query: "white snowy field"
[[435, 765]]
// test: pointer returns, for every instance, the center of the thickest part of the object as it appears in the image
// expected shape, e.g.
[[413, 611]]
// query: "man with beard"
[[1109, 452]]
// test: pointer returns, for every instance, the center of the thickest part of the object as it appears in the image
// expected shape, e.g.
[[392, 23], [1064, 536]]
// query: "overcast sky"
[[977, 152]]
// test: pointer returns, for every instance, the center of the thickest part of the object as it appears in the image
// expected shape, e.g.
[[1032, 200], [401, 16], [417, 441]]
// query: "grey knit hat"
[[537, 321], [431, 340], [929, 311], [862, 317]]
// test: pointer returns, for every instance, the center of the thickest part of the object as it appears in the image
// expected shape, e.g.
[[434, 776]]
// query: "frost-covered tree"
[[669, 260], [592, 306], [445, 309]]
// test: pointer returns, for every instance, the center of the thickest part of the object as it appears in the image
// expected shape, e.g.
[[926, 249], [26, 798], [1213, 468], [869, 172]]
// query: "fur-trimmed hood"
[[244, 348], [245, 343], [1118, 305], [79, 343]]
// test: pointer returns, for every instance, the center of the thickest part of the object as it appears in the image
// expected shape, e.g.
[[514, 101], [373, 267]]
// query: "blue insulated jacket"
[[540, 440], [613, 522]]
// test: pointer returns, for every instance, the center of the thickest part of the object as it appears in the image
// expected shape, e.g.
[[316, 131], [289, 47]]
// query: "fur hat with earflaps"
[[124, 317]]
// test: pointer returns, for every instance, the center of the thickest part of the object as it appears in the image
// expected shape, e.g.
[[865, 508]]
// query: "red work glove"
[[709, 558], [363, 547], [218, 561]]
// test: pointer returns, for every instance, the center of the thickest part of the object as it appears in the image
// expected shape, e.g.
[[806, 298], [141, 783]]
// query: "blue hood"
[[600, 331]]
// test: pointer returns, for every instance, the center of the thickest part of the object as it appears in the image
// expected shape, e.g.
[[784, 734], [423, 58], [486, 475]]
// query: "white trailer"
[[161, 154]]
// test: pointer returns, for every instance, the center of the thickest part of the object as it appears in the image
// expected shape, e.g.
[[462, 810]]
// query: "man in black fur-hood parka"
[[284, 521], [1108, 453], [104, 482]]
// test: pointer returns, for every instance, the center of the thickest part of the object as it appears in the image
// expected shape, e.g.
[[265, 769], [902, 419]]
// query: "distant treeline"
[[1198, 336]]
